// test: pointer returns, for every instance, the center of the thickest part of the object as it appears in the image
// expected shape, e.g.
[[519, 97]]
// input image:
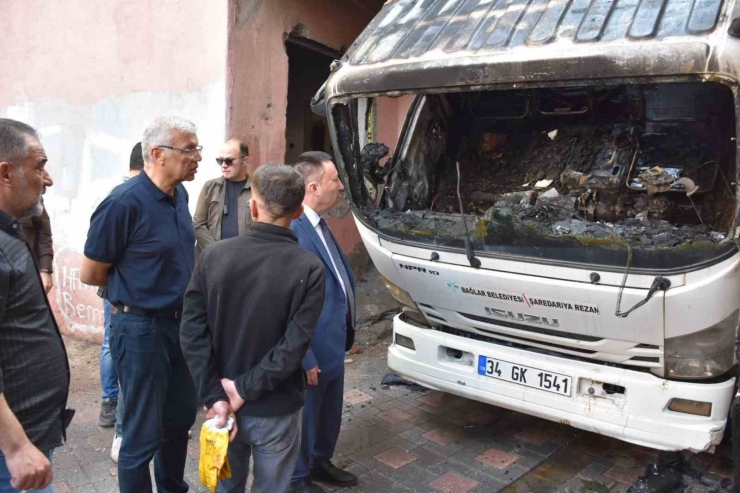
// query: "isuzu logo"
[[522, 317], [423, 270]]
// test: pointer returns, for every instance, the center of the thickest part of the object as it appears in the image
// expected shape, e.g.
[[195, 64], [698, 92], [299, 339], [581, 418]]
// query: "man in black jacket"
[[250, 313]]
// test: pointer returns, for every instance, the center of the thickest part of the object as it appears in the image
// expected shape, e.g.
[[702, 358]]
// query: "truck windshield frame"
[[376, 201]]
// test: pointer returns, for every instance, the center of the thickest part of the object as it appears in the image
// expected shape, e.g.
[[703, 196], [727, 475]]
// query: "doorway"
[[308, 68]]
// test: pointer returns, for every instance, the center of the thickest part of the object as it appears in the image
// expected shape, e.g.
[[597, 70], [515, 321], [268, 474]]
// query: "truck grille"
[[631, 355]]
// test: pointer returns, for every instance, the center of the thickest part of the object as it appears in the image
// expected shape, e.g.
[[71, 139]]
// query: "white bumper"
[[640, 415]]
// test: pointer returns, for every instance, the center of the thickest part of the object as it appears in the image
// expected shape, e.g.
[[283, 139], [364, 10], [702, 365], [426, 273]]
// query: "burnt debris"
[[651, 166]]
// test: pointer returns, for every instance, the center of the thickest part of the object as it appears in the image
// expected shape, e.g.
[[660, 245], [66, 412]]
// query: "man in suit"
[[335, 331]]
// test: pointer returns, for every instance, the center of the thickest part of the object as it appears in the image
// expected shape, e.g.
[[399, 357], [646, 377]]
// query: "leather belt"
[[163, 313]]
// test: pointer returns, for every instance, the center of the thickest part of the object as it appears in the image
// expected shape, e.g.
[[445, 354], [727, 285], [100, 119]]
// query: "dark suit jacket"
[[333, 334]]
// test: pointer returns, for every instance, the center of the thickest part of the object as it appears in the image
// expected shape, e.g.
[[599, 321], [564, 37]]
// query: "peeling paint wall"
[[257, 104], [90, 77]]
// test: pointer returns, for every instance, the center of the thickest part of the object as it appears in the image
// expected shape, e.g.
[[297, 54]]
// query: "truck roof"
[[419, 44]]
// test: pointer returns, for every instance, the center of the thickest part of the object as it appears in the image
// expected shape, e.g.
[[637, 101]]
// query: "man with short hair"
[[335, 332], [111, 406], [250, 312], [34, 372], [222, 211], [140, 247]]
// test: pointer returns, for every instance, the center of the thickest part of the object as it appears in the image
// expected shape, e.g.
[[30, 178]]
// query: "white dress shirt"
[[315, 220]]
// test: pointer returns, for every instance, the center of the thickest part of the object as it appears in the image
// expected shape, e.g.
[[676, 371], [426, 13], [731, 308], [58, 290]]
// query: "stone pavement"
[[399, 440]]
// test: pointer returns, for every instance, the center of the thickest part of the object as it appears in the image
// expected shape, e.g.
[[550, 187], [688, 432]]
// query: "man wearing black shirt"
[[223, 206], [250, 312], [34, 373]]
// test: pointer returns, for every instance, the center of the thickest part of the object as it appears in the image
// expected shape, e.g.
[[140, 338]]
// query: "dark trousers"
[[160, 403], [322, 417]]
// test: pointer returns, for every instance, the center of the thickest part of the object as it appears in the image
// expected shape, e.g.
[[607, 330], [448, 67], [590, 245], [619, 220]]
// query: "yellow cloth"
[[214, 461]]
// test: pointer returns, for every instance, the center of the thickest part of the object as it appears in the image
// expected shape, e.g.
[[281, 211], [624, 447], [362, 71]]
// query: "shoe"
[[307, 487], [331, 474], [107, 417], [115, 448]]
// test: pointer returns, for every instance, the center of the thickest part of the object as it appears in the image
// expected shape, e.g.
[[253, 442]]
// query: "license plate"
[[525, 375]]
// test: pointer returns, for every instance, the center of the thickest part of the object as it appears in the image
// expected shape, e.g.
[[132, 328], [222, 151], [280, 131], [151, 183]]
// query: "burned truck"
[[559, 216]]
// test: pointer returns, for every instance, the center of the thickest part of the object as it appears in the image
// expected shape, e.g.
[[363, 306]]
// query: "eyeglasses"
[[197, 149], [228, 161]]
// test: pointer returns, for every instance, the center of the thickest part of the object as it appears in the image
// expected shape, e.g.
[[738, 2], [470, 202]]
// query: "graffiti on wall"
[[76, 305]]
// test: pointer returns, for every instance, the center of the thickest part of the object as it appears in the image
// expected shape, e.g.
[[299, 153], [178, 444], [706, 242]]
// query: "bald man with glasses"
[[223, 205]]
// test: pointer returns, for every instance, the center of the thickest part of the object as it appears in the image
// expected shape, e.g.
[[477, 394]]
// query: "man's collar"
[[9, 224], [152, 188], [312, 215]]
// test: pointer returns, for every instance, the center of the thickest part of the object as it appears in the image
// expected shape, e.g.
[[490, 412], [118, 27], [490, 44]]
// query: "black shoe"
[[107, 417], [306, 488], [331, 474]]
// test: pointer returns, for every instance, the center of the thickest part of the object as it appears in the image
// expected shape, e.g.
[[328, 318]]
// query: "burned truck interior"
[[566, 174]]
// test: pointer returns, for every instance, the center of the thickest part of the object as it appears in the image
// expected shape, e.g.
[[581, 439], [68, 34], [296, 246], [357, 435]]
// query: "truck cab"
[[559, 214]]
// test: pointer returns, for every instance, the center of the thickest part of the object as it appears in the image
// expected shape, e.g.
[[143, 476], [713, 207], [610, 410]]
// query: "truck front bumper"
[[633, 407]]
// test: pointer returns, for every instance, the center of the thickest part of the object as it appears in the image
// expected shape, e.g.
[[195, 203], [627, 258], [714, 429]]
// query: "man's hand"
[[29, 468], [223, 410], [47, 280], [235, 400], [313, 375]]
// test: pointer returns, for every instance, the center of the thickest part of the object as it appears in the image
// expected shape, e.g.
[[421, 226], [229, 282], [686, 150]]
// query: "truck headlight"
[[399, 294], [704, 354]]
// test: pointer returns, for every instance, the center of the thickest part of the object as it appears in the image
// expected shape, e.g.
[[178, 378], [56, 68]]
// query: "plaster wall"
[[90, 76], [257, 103]]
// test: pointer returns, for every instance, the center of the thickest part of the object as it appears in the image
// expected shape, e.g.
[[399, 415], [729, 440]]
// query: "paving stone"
[[580, 485], [537, 436], [368, 412], [366, 456], [414, 435], [481, 472], [376, 482], [497, 458], [625, 475], [442, 436], [394, 404], [428, 457], [446, 450], [395, 458], [412, 476], [483, 417], [352, 439], [453, 483], [62, 487], [596, 473], [433, 399], [563, 466], [591, 444], [397, 442], [354, 397], [532, 483]]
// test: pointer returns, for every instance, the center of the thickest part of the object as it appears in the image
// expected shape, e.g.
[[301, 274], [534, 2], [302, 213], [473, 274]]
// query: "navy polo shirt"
[[149, 238]]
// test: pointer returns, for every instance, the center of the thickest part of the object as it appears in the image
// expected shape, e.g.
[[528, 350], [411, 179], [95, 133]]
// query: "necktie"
[[331, 245]]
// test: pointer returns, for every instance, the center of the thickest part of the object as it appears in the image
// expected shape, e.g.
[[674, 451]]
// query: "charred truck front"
[[559, 213]]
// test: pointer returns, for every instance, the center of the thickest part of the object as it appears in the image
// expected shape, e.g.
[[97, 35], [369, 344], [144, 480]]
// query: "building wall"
[[90, 76], [256, 46]]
